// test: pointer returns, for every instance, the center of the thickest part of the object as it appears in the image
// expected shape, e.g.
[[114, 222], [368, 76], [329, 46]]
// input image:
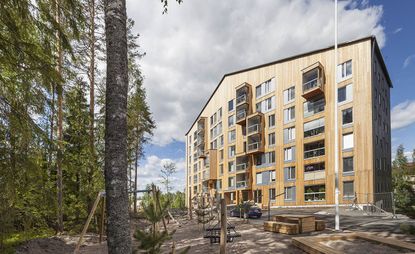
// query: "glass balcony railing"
[[240, 115], [314, 153], [254, 128], [314, 132], [241, 166], [315, 196], [241, 99], [241, 184], [253, 146], [316, 82]]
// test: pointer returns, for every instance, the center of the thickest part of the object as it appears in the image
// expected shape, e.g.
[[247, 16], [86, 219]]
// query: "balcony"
[[243, 98], [255, 123], [315, 193], [241, 115], [313, 81], [314, 175], [200, 137], [242, 163], [256, 146], [314, 149], [241, 184], [200, 152]]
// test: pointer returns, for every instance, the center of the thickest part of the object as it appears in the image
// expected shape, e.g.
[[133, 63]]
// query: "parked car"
[[253, 212]]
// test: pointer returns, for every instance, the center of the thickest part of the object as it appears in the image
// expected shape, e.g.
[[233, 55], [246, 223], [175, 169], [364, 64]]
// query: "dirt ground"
[[189, 233]]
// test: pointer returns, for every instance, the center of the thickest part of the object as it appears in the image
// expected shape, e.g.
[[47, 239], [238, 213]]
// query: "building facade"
[[267, 133]]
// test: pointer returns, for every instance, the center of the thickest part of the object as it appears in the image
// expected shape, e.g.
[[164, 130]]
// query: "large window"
[[258, 196], [348, 190], [289, 95], [231, 182], [348, 141], [231, 120], [314, 128], [272, 175], [289, 114], [266, 105], [231, 105], [289, 135], [289, 154], [221, 169], [258, 178], [271, 193], [345, 93], [348, 165], [314, 167], [344, 70], [315, 193], [271, 121], [231, 151], [314, 149], [232, 136], [347, 116], [231, 166], [265, 88], [289, 173], [265, 159], [289, 193], [314, 106], [271, 139]]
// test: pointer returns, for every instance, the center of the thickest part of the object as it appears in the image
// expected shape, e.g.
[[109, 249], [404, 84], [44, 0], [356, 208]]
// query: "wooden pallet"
[[306, 223], [281, 227], [320, 225]]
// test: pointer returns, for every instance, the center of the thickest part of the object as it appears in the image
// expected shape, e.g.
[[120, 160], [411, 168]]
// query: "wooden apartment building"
[[267, 132]]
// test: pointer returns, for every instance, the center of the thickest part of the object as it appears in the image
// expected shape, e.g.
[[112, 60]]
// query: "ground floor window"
[[289, 193], [348, 190], [258, 196], [315, 193], [272, 194]]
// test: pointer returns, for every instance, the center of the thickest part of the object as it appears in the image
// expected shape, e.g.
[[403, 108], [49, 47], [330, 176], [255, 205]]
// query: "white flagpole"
[[336, 131]]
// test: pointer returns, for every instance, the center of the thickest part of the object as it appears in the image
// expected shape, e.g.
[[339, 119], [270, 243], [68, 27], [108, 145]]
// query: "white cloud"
[[397, 30], [403, 114], [196, 43], [408, 60], [150, 172]]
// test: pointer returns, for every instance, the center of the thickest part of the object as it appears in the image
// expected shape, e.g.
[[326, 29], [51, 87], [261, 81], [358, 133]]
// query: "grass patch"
[[15, 239]]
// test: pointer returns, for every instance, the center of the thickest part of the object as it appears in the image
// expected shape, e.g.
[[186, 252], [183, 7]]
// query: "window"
[[258, 178], [258, 196], [289, 154], [344, 71], [315, 167], [266, 105], [272, 175], [289, 193], [289, 114], [348, 190], [348, 141], [231, 104], [221, 155], [219, 184], [289, 135], [347, 116], [220, 140], [231, 166], [231, 151], [265, 88], [289, 95], [221, 169], [231, 181], [271, 139], [214, 144], [315, 193], [289, 173], [345, 93], [231, 121], [314, 128], [271, 120], [348, 165], [232, 136], [265, 159], [314, 149], [271, 193], [314, 106]]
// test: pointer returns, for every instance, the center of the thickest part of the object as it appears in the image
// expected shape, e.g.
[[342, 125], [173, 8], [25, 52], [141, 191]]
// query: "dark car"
[[253, 212]]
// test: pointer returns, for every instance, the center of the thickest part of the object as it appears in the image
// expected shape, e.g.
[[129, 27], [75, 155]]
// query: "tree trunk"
[[59, 91], [135, 179], [91, 74], [118, 221]]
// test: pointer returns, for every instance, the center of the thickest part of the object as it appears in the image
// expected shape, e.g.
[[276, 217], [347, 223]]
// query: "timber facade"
[[267, 133]]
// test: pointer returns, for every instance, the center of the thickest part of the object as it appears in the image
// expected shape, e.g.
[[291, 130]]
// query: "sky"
[[190, 48]]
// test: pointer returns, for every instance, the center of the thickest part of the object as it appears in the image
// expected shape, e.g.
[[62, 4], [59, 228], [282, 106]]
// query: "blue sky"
[[196, 43]]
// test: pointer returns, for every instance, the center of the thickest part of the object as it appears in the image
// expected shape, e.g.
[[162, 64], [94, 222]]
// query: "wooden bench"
[[281, 227]]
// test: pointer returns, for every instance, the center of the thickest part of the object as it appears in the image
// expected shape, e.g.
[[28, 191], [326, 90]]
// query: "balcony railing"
[[314, 196], [314, 175], [231, 187], [241, 184], [314, 153], [254, 146], [314, 132], [254, 128], [241, 99], [240, 115], [311, 84], [241, 166]]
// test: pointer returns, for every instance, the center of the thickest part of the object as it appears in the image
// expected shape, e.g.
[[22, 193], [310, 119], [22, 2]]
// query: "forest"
[[56, 89]]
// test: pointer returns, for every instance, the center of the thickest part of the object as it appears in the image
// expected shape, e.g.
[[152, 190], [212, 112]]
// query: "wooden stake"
[[78, 245], [223, 227], [101, 233]]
